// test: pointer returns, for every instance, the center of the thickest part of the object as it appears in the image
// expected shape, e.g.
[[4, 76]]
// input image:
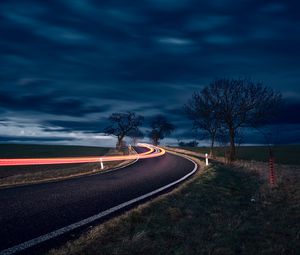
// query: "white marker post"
[[206, 159], [101, 163]]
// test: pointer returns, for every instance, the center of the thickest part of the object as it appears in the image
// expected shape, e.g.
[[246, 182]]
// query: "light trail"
[[151, 153]]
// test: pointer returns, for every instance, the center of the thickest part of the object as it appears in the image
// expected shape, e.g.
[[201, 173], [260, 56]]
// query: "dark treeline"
[[219, 111], [128, 124], [225, 106]]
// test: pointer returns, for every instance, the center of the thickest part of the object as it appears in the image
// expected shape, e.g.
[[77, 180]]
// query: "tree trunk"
[[211, 153], [134, 140], [155, 141], [119, 143], [232, 145]]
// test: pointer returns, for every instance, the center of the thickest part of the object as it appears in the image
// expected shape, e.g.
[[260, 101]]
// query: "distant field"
[[40, 151], [35, 173], [284, 154]]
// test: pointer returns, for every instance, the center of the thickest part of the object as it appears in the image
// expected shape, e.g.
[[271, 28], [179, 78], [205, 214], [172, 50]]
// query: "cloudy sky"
[[65, 65]]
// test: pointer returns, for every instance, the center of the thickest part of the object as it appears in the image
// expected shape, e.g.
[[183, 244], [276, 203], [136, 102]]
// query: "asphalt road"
[[27, 212]]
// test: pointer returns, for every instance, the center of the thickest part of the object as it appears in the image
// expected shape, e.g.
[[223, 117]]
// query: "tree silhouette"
[[160, 128], [201, 110], [123, 124], [232, 104]]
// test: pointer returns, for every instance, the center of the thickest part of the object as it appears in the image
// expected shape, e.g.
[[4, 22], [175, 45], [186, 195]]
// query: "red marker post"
[[272, 176]]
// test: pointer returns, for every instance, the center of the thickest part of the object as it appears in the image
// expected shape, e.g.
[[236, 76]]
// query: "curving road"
[[32, 214]]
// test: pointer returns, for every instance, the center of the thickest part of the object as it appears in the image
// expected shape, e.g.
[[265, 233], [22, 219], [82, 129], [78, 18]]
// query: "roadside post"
[[272, 176], [206, 159], [101, 163]]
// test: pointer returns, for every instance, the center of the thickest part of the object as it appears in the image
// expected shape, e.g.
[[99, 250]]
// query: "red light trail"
[[151, 153]]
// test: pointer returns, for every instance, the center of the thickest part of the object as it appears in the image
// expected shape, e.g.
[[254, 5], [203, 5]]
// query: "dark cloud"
[[20, 139], [86, 126], [52, 103], [289, 114], [80, 60], [274, 134]]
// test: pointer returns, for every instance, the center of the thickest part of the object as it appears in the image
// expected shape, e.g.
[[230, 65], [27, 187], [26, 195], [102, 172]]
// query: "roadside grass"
[[284, 154], [223, 210], [17, 175]]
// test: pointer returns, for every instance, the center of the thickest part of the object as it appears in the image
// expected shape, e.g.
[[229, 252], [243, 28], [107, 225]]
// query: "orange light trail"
[[151, 153]]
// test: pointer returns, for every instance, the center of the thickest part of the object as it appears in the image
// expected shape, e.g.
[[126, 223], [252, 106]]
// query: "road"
[[29, 213]]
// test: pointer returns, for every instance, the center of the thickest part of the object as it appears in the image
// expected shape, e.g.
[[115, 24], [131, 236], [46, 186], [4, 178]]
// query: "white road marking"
[[61, 231]]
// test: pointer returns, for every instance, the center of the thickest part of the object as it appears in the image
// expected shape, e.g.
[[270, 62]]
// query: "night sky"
[[66, 65]]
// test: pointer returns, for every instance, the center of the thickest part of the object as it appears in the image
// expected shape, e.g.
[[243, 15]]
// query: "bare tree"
[[160, 128], [123, 124], [242, 103], [201, 109]]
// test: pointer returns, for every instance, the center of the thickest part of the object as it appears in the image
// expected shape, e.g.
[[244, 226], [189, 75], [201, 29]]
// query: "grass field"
[[48, 151], [284, 154], [32, 174], [223, 211]]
